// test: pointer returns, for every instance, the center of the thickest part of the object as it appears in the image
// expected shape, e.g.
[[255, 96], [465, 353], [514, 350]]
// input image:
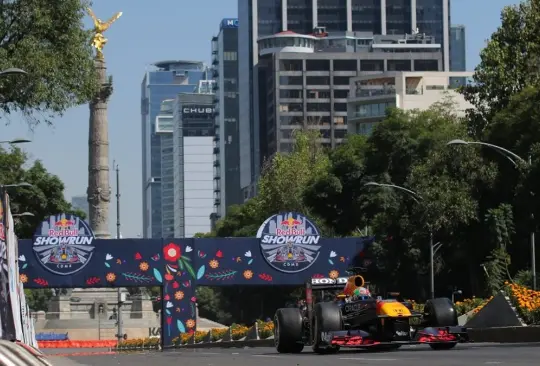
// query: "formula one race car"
[[342, 312]]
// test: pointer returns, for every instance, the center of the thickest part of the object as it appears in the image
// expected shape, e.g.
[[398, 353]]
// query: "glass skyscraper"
[[458, 53], [168, 80], [227, 190], [260, 18]]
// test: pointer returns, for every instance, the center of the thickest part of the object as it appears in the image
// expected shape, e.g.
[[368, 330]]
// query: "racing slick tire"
[[441, 312], [288, 330], [327, 318], [442, 346]]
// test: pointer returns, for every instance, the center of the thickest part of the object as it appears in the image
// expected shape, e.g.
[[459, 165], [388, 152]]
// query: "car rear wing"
[[327, 283]]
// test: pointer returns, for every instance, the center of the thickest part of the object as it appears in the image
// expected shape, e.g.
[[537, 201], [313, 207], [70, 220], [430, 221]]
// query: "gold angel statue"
[[98, 40]]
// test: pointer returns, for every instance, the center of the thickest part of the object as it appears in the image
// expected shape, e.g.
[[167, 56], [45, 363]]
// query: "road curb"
[[529, 334], [526, 334]]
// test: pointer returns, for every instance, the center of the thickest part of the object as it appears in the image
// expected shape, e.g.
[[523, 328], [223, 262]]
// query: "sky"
[[151, 31]]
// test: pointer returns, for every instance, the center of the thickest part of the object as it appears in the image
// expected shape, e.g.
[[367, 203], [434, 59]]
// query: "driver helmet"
[[362, 293]]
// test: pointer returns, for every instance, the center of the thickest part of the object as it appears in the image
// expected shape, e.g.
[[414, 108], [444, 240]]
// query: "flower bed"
[[526, 301], [238, 331], [140, 343]]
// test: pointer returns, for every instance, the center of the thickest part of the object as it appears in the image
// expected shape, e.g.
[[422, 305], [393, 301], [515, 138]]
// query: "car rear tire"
[[442, 346], [440, 312], [327, 318], [288, 330]]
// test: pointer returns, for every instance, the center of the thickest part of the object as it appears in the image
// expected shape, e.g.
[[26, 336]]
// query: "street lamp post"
[[15, 141], [515, 160], [432, 250], [12, 71]]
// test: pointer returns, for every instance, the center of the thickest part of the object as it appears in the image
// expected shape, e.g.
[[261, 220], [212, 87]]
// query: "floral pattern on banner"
[[178, 290]]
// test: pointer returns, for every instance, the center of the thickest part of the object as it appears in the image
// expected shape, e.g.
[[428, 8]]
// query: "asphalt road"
[[462, 355]]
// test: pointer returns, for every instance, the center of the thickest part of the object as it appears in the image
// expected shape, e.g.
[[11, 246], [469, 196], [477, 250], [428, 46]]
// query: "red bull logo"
[[290, 227], [64, 227], [289, 242]]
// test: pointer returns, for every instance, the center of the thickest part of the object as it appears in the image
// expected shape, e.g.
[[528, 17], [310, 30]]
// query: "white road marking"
[[367, 359], [492, 362]]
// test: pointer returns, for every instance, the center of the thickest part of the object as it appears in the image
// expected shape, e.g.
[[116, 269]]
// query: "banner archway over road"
[[287, 251]]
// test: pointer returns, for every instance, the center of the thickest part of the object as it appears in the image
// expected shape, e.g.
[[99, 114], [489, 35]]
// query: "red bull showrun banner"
[[289, 242]]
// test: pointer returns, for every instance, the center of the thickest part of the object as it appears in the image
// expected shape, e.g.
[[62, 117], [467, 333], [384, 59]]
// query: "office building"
[[261, 18], [164, 129], [80, 203], [304, 79], [458, 52], [372, 95], [193, 163], [165, 82], [227, 158]]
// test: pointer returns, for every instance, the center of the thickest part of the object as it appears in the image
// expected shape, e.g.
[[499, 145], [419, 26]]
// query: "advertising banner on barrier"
[[24, 315], [13, 273], [7, 326]]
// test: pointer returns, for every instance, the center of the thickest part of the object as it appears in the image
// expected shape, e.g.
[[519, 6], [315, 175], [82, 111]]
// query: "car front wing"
[[360, 338]]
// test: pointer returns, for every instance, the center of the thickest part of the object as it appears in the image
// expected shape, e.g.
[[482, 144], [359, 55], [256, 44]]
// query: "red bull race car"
[[342, 312]]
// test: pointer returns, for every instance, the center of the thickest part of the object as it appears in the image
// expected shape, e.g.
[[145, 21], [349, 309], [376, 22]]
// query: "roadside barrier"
[[229, 338], [78, 344], [16, 353]]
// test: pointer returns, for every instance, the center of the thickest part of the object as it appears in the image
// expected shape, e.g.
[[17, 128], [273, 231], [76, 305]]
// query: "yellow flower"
[[213, 264], [179, 295], [333, 274], [248, 274], [190, 323], [23, 278], [143, 266]]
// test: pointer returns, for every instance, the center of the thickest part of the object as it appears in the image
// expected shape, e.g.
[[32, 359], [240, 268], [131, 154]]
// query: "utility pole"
[[431, 266], [533, 244], [119, 321]]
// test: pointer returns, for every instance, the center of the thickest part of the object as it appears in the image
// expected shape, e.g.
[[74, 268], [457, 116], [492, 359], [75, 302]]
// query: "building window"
[[230, 56], [371, 65], [399, 65], [288, 133], [317, 65], [317, 80], [365, 128], [372, 110], [342, 94], [290, 93], [345, 65], [318, 107], [291, 120], [426, 65], [291, 107], [291, 80], [340, 107], [318, 94], [290, 65], [341, 80], [340, 133], [340, 120]]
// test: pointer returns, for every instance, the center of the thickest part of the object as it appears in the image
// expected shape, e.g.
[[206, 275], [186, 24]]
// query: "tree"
[[336, 197], [286, 176], [46, 39], [44, 198], [509, 62]]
